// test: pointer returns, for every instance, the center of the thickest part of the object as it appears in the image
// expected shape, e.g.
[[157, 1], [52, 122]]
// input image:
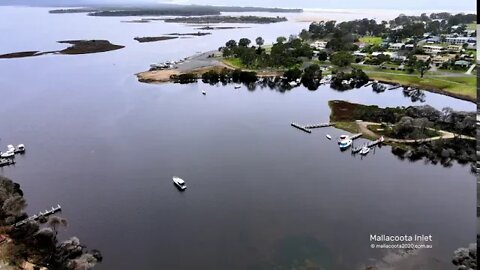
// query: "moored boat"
[[364, 150], [179, 182], [344, 142]]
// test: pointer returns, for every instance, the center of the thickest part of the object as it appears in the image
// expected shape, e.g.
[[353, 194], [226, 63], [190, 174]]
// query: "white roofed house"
[[396, 46], [462, 63], [433, 49], [319, 45], [460, 40]]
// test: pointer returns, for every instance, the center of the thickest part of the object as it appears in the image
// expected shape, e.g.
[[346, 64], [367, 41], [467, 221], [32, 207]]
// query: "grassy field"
[[352, 127], [389, 132], [471, 26], [371, 40], [457, 86], [233, 62]]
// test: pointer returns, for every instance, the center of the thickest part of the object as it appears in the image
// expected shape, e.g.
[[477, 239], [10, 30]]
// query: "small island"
[[153, 39], [78, 47], [226, 19]]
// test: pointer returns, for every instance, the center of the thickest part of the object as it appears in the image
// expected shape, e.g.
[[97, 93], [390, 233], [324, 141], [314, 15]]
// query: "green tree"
[[244, 42], [259, 41], [231, 44], [281, 40], [422, 67], [293, 74], [342, 58], [322, 56]]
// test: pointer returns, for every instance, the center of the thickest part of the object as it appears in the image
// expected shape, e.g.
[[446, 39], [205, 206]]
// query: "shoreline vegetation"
[[360, 50], [167, 10], [36, 244], [226, 19], [78, 47], [170, 36], [153, 39], [415, 132]]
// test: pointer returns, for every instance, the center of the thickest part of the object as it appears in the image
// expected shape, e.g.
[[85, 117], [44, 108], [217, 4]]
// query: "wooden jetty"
[[356, 149], [376, 142], [301, 127], [47, 213], [368, 84], [393, 87], [356, 136], [318, 125]]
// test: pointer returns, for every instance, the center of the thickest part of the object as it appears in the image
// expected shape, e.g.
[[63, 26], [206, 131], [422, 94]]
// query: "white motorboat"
[[8, 154], [20, 148], [179, 183], [344, 142], [342, 138], [204, 93], [364, 150], [328, 136], [237, 86]]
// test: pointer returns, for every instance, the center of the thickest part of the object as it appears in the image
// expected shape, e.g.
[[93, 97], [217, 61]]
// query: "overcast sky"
[[454, 5]]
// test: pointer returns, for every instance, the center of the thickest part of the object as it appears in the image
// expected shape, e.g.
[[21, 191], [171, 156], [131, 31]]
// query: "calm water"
[[261, 194]]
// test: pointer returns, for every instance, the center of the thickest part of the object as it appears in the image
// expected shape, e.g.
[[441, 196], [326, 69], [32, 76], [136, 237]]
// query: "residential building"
[[433, 40], [396, 46], [438, 60], [319, 45], [454, 48], [432, 49], [422, 57], [460, 40], [462, 63]]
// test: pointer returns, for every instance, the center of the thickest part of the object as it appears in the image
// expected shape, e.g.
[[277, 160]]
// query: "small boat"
[[179, 183], [204, 93], [345, 144], [20, 148], [8, 154], [342, 138], [328, 136], [364, 150], [237, 86]]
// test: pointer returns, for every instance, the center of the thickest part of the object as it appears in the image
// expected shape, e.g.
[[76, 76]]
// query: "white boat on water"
[[328, 136], [204, 93], [20, 148], [344, 142], [179, 183], [237, 86], [364, 150], [8, 154]]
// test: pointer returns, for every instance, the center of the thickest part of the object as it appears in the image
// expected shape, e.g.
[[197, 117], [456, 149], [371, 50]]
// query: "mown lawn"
[[234, 62], [371, 40], [464, 86]]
